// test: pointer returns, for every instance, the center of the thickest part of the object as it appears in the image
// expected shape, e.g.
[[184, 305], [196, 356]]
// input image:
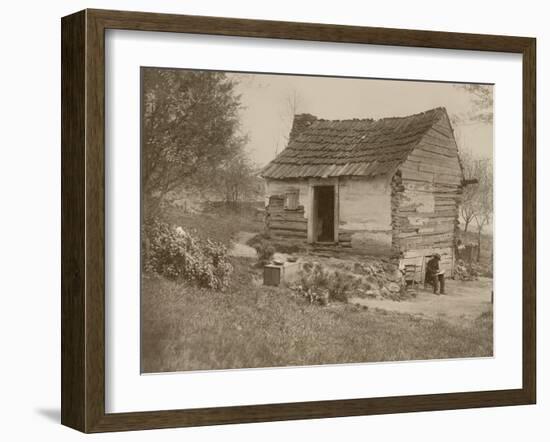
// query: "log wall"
[[426, 193], [281, 187], [284, 223]]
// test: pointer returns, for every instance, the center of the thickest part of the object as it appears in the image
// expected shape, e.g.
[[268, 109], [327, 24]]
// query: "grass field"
[[250, 325], [219, 224]]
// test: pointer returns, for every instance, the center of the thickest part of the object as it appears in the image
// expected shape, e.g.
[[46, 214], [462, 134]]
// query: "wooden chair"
[[411, 272]]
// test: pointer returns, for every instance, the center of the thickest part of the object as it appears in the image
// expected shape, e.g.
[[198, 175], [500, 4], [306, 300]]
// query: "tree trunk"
[[151, 206], [466, 224], [479, 244]]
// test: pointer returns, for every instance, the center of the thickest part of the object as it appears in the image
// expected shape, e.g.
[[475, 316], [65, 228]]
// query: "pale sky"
[[267, 116]]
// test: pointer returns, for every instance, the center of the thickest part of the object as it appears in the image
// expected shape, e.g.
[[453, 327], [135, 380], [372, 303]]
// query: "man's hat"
[[437, 255]]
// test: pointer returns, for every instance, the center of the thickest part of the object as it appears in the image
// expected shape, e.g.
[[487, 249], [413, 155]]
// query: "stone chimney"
[[301, 121]]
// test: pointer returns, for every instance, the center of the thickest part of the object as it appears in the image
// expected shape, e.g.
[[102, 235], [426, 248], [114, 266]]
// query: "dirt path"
[[464, 299], [240, 248]]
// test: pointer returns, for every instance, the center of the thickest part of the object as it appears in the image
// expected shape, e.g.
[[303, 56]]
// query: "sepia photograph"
[[294, 220]]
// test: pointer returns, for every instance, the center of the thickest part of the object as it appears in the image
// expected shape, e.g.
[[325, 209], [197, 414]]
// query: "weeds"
[[189, 328], [263, 247], [320, 286]]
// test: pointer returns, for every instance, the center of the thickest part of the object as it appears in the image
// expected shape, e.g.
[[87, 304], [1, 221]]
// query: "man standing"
[[434, 275]]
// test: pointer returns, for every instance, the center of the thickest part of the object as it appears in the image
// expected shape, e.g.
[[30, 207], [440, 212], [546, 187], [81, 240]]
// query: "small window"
[[291, 200]]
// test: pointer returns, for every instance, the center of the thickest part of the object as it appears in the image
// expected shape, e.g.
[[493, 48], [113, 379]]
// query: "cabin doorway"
[[323, 226]]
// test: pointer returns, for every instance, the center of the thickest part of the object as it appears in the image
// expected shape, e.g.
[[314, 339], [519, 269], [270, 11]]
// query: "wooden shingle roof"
[[330, 148]]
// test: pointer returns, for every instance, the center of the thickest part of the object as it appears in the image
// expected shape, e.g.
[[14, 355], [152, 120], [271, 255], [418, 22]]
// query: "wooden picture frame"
[[83, 220]]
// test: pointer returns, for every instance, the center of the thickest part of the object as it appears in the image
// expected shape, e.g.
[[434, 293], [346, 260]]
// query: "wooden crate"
[[281, 274]]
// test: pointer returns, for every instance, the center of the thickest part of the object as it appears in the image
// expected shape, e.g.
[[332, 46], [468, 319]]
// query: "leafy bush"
[[340, 285], [320, 286], [177, 254], [313, 283], [265, 252], [263, 247]]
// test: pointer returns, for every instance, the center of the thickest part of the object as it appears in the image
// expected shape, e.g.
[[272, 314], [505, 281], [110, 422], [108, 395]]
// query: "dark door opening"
[[324, 216]]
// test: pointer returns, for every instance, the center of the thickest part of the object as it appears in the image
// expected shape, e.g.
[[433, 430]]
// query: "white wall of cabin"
[[365, 204], [364, 214]]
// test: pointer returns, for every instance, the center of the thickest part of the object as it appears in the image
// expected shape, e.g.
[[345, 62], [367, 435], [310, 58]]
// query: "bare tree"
[[477, 199], [292, 106], [481, 96], [237, 180], [467, 206], [483, 201]]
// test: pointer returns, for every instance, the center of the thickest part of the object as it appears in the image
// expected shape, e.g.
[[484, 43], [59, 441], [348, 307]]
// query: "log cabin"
[[388, 187]]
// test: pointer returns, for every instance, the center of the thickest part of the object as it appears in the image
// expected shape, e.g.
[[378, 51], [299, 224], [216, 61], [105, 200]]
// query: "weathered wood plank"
[[288, 225], [423, 217], [408, 244], [450, 191], [277, 217], [414, 175], [443, 187], [433, 136], [442, 125], [446, 201], [438, 150], [288, 233], [443, 178], [437, 178], [441, 171], [420, 253], [418, 186], [448, 196], [343, 235], [422, 155], [427, 232], [448, 225], [432, 237], [443, 166], [281, 209], [425, 166], [442, 130], [444, 207], [439, 240]]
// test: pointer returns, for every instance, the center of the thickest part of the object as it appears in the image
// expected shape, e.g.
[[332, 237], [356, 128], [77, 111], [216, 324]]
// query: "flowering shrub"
[[176, 254]]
